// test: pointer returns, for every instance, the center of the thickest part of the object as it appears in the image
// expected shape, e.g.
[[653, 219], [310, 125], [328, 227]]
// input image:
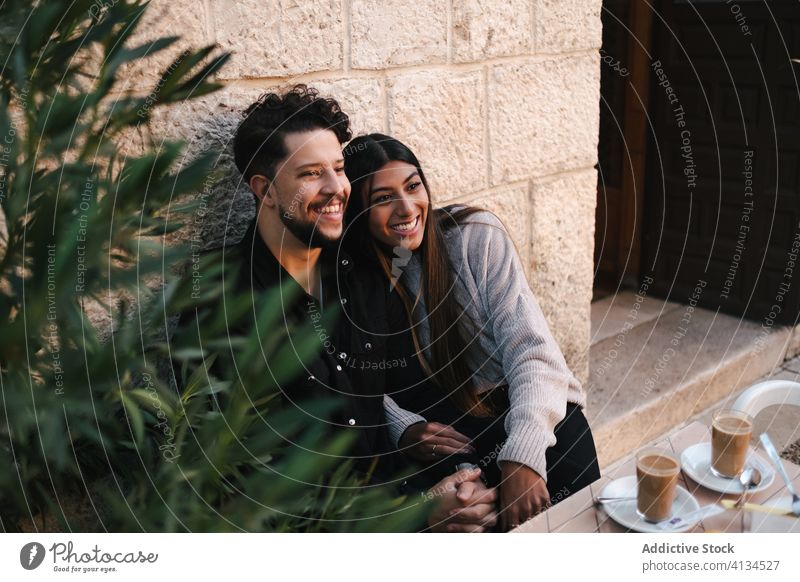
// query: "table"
[[577, 514]]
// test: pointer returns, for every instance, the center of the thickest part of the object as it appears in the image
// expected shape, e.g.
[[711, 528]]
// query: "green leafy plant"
[[93, 434]]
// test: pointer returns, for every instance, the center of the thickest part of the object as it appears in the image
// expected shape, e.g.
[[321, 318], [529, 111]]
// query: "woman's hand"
[[523, 494], [463, 504], [426, 441]]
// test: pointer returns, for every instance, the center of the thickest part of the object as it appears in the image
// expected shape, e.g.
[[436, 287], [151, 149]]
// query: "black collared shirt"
[[350, 351]]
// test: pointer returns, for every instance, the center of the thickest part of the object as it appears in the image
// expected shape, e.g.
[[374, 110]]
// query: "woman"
[[482, 370]]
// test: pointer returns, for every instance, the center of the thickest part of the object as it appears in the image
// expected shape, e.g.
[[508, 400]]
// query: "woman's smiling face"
[[398, 206]]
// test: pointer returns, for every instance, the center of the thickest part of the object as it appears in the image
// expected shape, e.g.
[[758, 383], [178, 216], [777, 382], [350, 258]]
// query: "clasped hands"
[[464, 503]]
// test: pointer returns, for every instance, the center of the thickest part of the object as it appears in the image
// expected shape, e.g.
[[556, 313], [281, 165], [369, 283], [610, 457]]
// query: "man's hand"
[[427, 441], [523, 494], [463, 504]]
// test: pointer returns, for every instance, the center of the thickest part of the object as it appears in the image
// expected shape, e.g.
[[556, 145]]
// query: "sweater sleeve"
[[534, 367], [398, 419]]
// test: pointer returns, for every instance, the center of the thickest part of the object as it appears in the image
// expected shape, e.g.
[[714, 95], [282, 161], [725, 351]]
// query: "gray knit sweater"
[[515, 346]]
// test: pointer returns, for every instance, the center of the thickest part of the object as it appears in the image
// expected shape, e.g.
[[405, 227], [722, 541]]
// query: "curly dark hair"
[[258, 144]]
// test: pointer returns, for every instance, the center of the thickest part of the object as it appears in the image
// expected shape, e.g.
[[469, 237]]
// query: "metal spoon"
[[600, 501], [610, 499], [750, 478], [776, 460]]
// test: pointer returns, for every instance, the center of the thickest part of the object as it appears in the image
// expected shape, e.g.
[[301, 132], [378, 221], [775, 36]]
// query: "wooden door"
[[722, 195]]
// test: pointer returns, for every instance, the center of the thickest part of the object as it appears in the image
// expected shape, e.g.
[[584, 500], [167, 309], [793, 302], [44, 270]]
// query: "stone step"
[[610, 313], [656, 366]]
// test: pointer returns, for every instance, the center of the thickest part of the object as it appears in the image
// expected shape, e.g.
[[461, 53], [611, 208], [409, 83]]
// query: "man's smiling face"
[[311, 187]]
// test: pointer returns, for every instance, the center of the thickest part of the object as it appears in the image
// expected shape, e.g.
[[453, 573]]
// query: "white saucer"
[[696, 462], [624, 512]]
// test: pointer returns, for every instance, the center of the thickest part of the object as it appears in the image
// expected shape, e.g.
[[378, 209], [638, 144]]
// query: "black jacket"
[[348, 363]]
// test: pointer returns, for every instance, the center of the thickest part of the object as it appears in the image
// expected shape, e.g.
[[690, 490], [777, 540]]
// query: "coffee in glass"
[[656, 479], [730, 442]]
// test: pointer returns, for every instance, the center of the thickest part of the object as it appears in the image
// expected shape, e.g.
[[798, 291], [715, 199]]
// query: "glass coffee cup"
[[731, 431], [657, 473]]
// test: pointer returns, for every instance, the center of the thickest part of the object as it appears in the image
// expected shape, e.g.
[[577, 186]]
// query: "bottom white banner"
[[335, 557]]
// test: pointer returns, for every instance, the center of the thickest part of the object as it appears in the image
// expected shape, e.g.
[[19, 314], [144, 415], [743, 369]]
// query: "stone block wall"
[[500, 101]]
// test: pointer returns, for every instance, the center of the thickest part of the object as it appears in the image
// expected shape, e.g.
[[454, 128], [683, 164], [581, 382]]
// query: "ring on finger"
[[433, 450]]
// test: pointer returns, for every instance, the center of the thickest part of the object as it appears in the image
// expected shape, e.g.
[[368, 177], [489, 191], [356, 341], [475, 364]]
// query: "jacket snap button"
[[368, 346], [342, 356], [351, 422], [338, 367], [344, 300], [311, 378], [345, 262]]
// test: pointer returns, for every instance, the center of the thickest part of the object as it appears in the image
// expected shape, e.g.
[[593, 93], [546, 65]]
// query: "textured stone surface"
[[567, 25], [207, 124], [389, 33], [792, 453], [794, 343], [544, 117], [270, 39], [562, 260], [491, 29], [441, 117], [158, 21], [793, 365], [611, 314], [361, 99], [512, 206]]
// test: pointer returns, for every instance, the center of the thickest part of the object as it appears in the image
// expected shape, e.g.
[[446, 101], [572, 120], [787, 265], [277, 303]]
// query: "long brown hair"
[[452, 330]]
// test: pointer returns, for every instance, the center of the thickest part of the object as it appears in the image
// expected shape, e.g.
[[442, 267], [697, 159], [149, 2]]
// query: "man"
[[289, 150]]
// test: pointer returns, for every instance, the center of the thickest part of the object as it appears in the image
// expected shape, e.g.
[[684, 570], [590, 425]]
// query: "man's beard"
[[306, 232]]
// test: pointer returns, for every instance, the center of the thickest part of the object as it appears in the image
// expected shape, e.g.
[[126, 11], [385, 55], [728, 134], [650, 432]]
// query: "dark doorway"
[[622, 151], [719, 196]]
